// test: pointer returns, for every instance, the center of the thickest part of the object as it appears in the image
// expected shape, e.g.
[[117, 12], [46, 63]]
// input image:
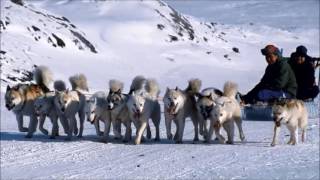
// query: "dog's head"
[[280, 113], [205, 105], [42, 105], [173, 100], [114, 99], [220, 111], [91, 106], [13, 97], [136, 104], [64, 99]]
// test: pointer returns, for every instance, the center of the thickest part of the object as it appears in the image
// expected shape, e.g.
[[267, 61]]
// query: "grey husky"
[[70, 103], [180, 104], [44, 106], [205, 104], [143, 106], [20, 98]]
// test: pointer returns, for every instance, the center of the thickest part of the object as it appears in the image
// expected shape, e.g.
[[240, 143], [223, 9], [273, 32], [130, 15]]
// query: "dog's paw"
[[23, 129], [80, 136], [178, 142], [45, 132], [273, 144], [229, 142], [75, 131], [28, 136], [169, 136], [137, 141], [157, 139], [67, 139], [52, 137]]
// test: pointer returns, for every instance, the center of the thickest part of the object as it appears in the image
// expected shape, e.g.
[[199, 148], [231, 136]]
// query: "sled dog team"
[[210, 109]]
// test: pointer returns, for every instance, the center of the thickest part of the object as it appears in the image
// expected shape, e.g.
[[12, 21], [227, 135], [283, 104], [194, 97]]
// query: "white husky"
[[70, 103], [226, 111], [144, 106], [180, 104], [293, 114]]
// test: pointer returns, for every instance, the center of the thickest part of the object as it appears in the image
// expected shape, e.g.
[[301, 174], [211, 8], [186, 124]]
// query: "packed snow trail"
[[44, 158]]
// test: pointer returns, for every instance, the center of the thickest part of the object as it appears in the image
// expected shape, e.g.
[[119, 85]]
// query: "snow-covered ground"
[[155, 40]]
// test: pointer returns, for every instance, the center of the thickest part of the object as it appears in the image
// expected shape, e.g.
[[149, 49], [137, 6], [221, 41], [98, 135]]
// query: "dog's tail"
[[43, 77], [152, 87], [230, 89], [59, 85], [79, 82], [137, 84], [194, 86], [115, 86]]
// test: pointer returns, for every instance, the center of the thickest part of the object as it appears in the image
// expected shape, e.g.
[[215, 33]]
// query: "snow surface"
[[129, 42]]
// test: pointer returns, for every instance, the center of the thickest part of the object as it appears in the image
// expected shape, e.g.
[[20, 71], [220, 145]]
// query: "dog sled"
[[263, 111]]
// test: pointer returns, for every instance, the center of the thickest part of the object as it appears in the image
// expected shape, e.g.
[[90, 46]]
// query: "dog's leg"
[[178, 125], [205, 129], [82, 115], [71, 127], [55, 127], [75, 127], [168, 121], [208, 136], [42, 118], [303, 135], [127, 136], [116, 127], [229, 127], [64, 123], [32, 126], [239, 125], [97, 126], [217, 130], [195, 122], [19, 118], [180, 130], [107, 125], [148, 131], [141, 129], [296, 136], [156, 122], [275, 135]]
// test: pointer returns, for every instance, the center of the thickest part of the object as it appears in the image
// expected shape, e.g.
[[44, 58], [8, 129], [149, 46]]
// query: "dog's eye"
[[92, 112], [65, 102], [221, 114], [140, 104], [134, 104], [175, 98]]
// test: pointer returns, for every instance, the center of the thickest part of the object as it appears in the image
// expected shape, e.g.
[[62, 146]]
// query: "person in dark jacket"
[[303, 67], [277, 82]]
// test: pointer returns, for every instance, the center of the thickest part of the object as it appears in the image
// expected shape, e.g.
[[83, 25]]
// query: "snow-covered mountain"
[[120, 39]]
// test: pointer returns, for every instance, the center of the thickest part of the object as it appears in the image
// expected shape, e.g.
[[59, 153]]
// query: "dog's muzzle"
[[172, 108], [10, 106], [217, 124]]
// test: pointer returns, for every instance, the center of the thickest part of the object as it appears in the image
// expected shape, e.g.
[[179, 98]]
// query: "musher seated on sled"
[[303, 67], [277, 82]]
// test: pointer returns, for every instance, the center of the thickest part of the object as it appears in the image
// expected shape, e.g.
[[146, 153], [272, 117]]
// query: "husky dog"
[[205, 105], [20, 98], [69, 103], [180, 104], [293, 114], [144, 106], [96, 108], [44, 107], [116, 111], [226, 111]]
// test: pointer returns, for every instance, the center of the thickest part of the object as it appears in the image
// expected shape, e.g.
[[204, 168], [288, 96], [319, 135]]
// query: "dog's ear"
[[167, 90], [177, 88], [210, 96], [8, 88], [119, 91], [67, 91]]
